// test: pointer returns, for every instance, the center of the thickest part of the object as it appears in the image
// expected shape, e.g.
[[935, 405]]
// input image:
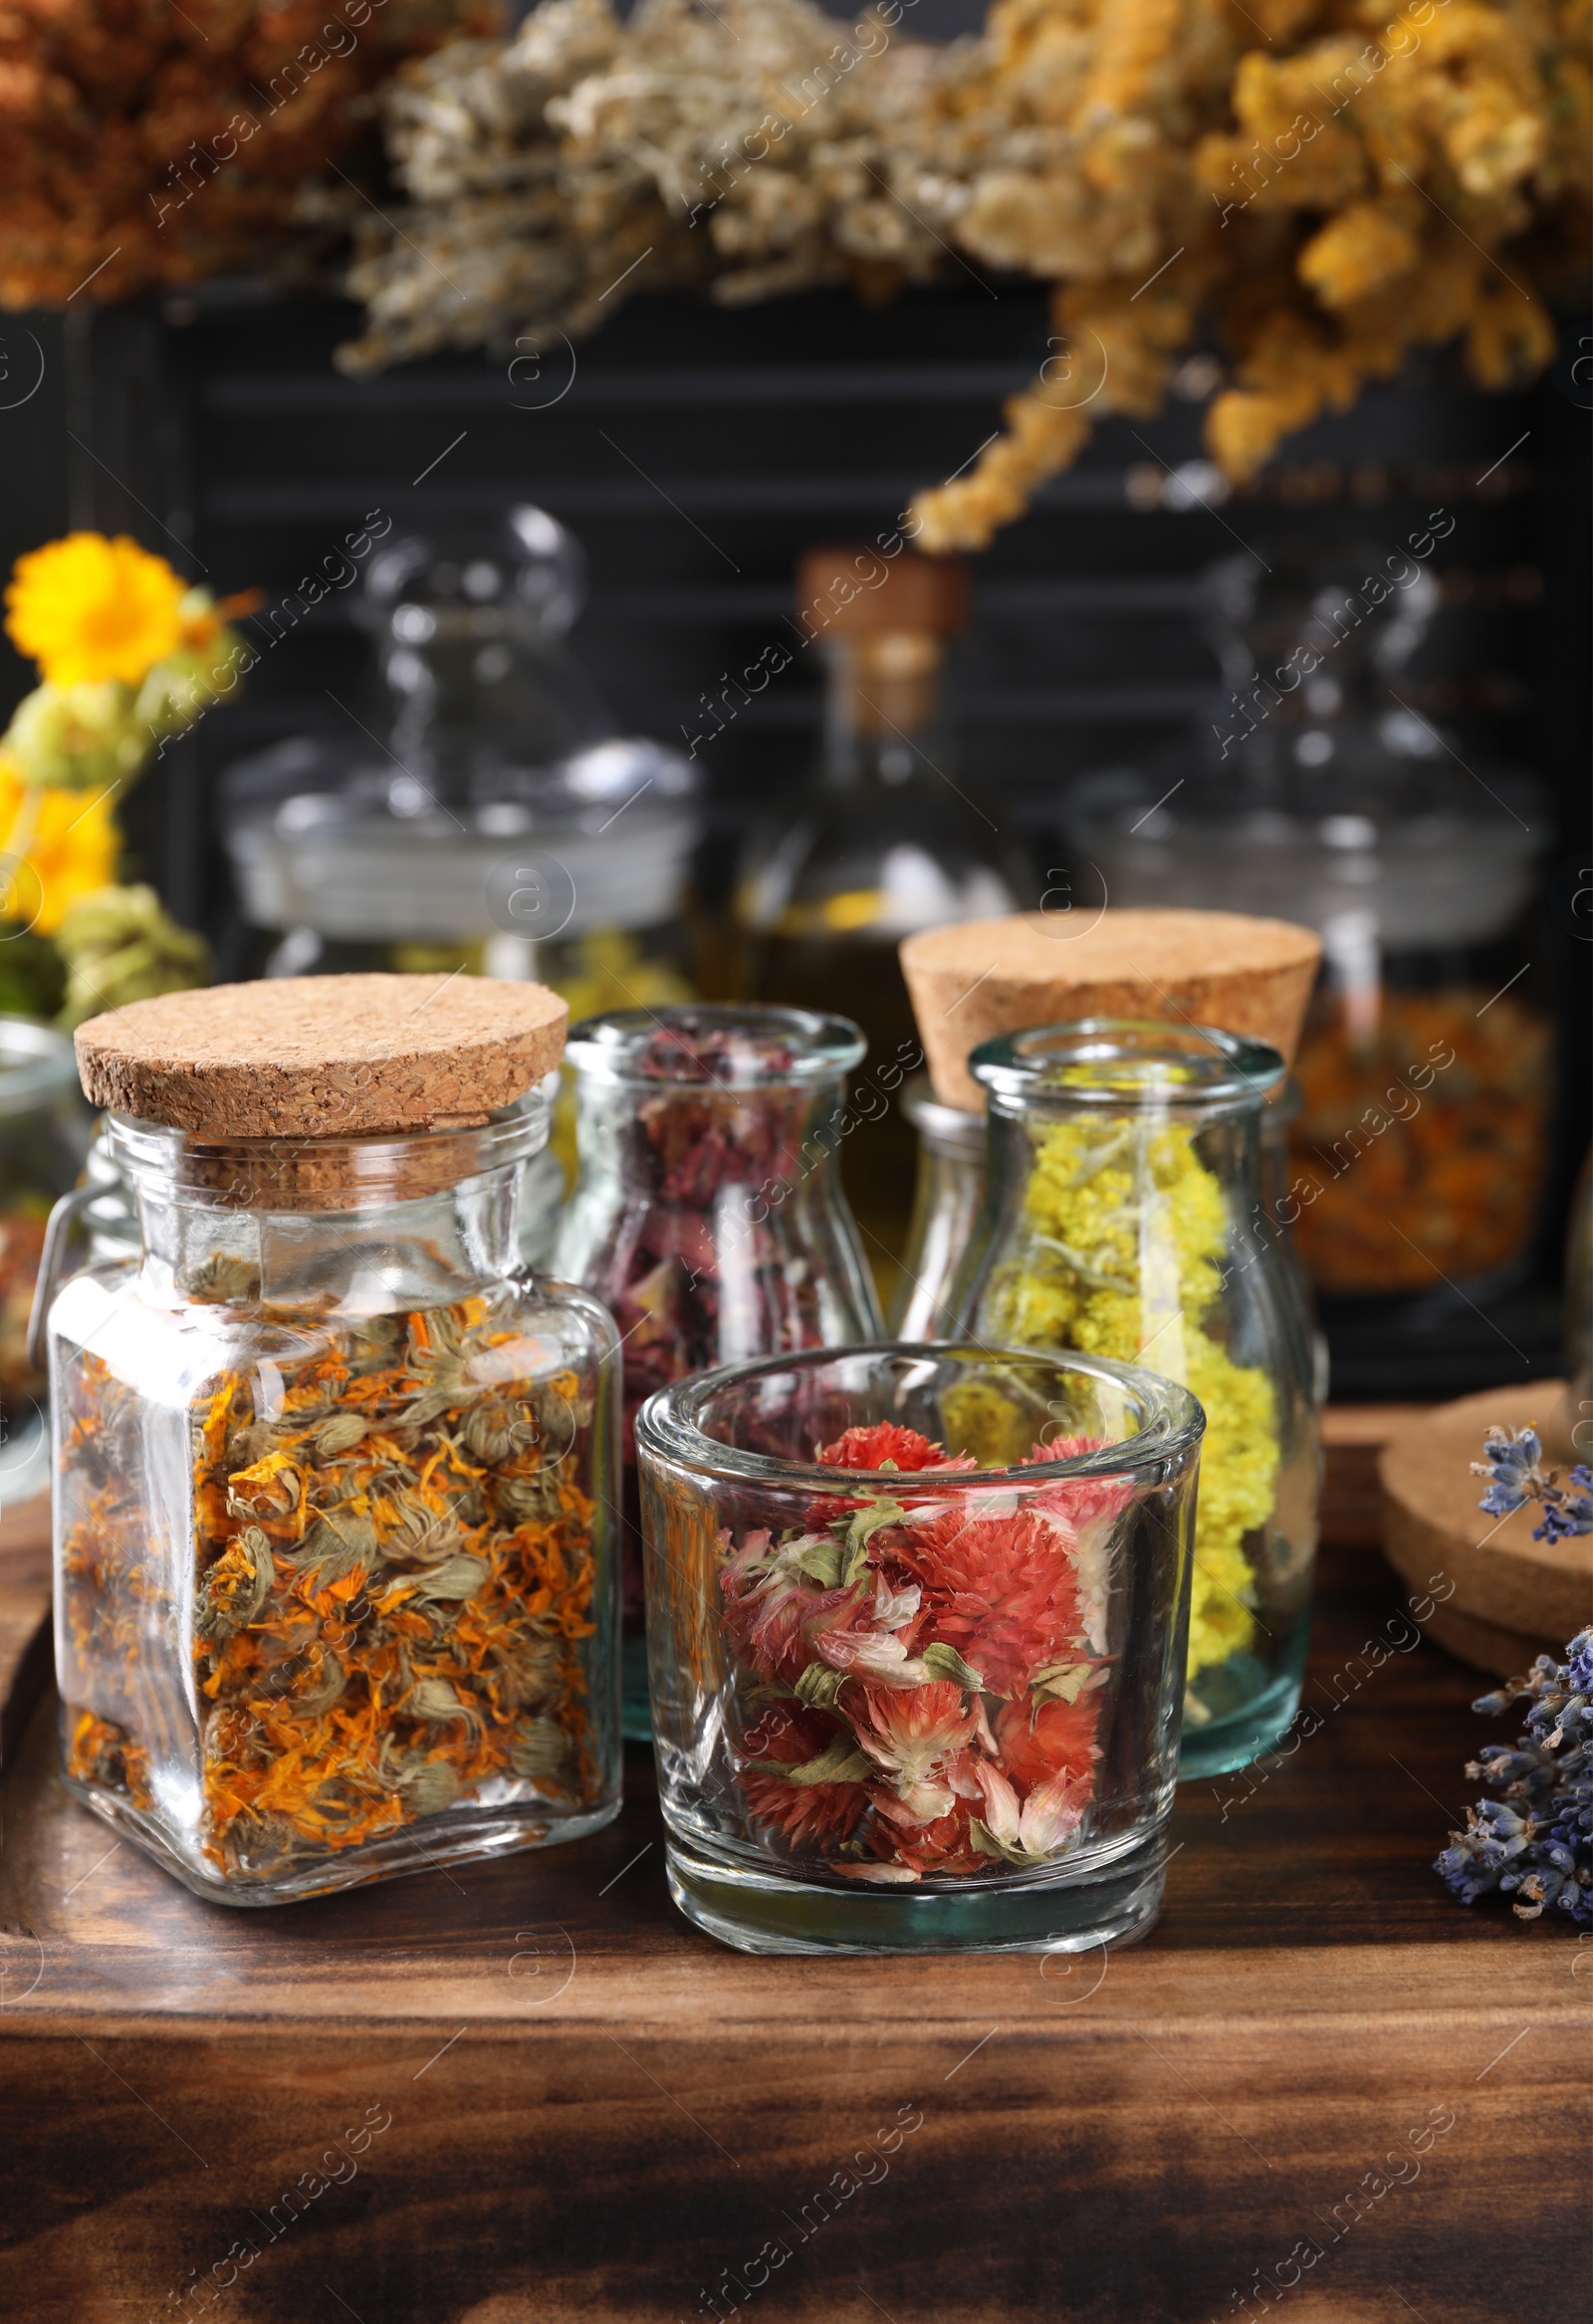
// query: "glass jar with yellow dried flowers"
[[916, 1617], [336, 1585], [1124, 1214], [950, 1189]]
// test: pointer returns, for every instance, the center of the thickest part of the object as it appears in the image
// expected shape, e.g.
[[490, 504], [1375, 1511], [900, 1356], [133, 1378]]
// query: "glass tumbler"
[[916, 1619], [1125, 1215]]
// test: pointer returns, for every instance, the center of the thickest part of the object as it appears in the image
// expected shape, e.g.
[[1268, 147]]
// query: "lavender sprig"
[[1537, 1842], [1514, 1459]]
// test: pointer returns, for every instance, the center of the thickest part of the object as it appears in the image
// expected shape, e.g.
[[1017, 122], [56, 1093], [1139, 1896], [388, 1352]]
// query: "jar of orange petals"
[[336, 1548], [916, 1620]]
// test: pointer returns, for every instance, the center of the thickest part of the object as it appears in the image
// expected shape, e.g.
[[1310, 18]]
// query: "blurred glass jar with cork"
[[499, 822], [1321, 794], [884, 841]]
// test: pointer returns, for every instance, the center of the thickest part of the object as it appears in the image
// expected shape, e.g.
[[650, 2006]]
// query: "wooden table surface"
[[1320, 2084]]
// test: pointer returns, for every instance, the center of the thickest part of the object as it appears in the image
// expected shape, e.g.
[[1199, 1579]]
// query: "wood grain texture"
[[590, 2112], [23, 1615], [1353, 1435]]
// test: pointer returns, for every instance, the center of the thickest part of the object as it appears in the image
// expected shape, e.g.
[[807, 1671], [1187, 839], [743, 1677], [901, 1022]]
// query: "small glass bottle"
[[708, 1214], [1123, 1215], [916, 1620], [884, 840], [336, 1581], [947, 1193]]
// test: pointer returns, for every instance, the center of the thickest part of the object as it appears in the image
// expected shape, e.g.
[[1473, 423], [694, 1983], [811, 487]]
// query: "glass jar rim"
[[36, 1065], [1180, 1067], [299, 1174], [667, 1424], [661, 1049]]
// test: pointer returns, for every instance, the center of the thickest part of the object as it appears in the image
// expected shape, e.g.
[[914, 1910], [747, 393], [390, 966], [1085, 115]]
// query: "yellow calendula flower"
[[70, 851], [88, 610]]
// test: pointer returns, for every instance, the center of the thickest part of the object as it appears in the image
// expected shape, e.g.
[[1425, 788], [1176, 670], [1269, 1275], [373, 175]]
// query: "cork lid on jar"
[[323, 1057], [979, 977], [856, 590]]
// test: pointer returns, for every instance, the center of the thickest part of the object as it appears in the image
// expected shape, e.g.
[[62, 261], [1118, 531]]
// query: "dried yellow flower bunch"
[[1327, 183]]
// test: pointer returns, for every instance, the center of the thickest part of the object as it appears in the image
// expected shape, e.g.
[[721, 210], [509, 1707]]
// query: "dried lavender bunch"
[[1513, 1459], [1537, 1842]]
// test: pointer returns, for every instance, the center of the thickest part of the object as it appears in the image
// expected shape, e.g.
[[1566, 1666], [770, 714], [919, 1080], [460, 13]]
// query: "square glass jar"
[[917, 1617], [337, 1579]]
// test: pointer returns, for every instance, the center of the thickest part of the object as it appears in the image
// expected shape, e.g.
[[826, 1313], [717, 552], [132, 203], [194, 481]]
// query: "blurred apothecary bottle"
[[884, 841], [1420, 1148], [498, 821]]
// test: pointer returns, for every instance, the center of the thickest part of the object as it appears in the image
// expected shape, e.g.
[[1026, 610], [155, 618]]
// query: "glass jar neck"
[[475, 690], [688, 1147], [1123, 1135], [359, 1226], [882, 707]]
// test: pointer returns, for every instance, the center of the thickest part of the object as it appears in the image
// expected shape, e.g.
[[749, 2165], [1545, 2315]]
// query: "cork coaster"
[[1512, 1597], [323, 1057], [980, 978]]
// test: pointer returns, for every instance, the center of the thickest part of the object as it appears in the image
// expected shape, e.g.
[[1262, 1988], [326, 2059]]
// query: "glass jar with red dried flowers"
[[337, 1586], [707, 1215], [916, 1616], [1126, 1213]]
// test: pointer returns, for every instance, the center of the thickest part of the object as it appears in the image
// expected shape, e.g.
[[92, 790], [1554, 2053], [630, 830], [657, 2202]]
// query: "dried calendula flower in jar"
[[338, 1589]]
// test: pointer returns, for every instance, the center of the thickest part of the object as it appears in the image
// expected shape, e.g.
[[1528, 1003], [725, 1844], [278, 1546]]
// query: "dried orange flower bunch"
[[147, 143], [1330, 200], [1329, 183], [392, 1585]]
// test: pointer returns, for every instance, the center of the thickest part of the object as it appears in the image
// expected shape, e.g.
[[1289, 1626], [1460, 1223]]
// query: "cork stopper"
[[851, 591], [979, 977], [323, 1057]]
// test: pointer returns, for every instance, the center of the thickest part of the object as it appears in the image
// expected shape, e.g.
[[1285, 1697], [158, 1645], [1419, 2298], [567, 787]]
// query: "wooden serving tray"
[[529, 2091]]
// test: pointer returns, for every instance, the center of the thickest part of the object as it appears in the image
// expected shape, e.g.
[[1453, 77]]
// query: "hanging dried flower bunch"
[[143, 142], [1324, 185]]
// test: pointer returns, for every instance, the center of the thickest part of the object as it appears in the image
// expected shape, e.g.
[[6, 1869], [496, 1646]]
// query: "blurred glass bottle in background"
[[502, 825], [882, 841], [1420, 1150]]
